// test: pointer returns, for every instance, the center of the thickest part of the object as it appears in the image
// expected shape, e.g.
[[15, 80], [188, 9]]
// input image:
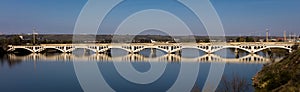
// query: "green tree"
[[249, 39], [16, 40], [240, 39], [206, 40]]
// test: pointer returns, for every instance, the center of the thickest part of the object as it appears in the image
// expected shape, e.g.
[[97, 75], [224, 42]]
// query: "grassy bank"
[[280, 76]]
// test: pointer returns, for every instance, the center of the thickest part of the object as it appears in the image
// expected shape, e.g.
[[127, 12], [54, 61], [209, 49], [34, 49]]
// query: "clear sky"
[[239, 17]]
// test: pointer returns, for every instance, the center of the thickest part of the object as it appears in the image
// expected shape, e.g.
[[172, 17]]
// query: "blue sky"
[[239, 17]]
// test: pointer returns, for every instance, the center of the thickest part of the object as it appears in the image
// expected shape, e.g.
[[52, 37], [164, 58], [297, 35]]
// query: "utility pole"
[[267, 35], [284, 36], [33, 36], [295, 37], [290, 36]]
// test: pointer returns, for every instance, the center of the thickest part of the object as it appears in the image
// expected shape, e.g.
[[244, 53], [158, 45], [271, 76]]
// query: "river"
[[59, 72]]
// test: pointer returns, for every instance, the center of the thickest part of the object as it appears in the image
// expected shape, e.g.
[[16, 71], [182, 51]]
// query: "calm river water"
[[56, 73]]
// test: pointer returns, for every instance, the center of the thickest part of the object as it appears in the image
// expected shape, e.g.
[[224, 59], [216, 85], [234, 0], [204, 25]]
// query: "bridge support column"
[[132, 49], [97, 49], [209, 50], [236, 50], [169, 49], [34, 49], [65, 49], [236, 53], [84, 51], [153, 52], [252, 49]]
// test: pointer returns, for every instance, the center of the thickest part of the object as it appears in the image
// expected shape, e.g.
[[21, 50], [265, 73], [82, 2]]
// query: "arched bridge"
[[170, 48]]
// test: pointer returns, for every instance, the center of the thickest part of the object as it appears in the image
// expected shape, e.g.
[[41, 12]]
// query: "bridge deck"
[[251, 47]]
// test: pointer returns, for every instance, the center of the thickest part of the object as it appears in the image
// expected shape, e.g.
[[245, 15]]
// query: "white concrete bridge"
[[251, 58], [251, 47]]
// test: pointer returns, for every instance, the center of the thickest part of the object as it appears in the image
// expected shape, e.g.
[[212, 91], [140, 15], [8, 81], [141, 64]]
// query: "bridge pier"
[[236, 50], [85, 51], [209, 50], [252, 49], [152, 52]]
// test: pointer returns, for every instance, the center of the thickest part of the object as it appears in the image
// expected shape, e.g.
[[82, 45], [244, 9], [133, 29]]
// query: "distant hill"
[[283, 76]]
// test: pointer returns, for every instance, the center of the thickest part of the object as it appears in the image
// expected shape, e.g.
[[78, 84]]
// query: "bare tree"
[[234, 84]]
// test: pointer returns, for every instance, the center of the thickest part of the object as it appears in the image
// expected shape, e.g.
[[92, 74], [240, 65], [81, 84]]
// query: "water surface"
[[55, 72]]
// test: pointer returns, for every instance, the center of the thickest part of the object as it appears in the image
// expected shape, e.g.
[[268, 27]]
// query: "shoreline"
[[280, 76]]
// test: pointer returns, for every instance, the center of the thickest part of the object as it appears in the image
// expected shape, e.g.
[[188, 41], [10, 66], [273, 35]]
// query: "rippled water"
[[55, 72]]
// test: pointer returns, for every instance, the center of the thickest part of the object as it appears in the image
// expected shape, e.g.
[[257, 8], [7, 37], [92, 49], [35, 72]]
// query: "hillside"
[[280, 76]]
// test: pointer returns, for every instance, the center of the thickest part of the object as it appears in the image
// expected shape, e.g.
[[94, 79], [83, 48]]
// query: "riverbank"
[[2, 50], [280, 76]]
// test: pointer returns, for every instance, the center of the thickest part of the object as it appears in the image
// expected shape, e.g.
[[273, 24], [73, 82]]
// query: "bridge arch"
[[121, 48], [272, 47], [232, 47], [161, 49], [197, 48], [74, 48], [27, 49], [158, 48], [47, 48]]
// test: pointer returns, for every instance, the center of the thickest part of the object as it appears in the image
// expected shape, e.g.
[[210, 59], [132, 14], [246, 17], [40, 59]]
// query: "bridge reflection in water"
[[251, 58]]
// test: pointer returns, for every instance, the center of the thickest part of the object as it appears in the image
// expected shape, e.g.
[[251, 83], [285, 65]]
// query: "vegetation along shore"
[[282, 76]]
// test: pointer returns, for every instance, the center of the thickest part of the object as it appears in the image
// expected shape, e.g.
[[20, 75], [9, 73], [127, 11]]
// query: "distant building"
[[280, 39], [21, 37], [176, 40], [261, 40], [152, 41], [273, 40]]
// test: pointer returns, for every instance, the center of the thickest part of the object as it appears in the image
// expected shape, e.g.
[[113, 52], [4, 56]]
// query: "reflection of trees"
[[10, 62], [234, 83]]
